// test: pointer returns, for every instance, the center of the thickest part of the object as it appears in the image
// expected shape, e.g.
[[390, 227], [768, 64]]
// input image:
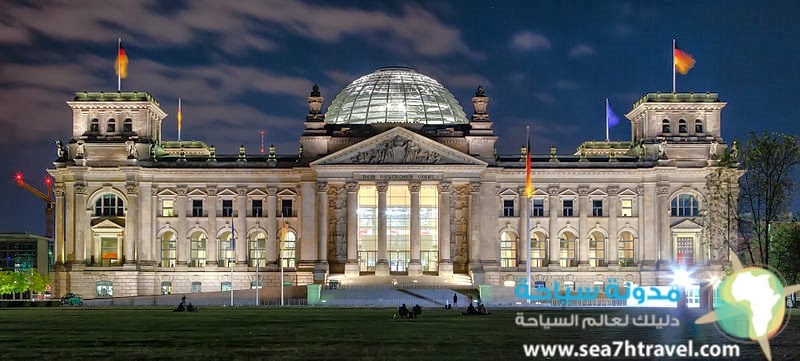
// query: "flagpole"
[[528, 217], [179, 120], [233, 251], [119, 66], [673, 65], [280, 253], [606, 120]]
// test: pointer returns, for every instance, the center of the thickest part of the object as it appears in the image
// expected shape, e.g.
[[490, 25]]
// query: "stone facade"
[[150, 216]]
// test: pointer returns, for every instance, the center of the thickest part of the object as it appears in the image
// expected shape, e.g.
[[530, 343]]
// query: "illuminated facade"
[[394, 180]]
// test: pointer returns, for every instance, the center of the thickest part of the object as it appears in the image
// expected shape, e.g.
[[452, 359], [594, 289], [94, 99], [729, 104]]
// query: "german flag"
[[683, 61], [121, 63]]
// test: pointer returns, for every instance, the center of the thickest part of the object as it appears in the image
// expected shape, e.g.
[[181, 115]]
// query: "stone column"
[[582, 248], [644, 244], [153, 242], [382, 266], [58, 244], [273, 230], [474, 221], [524, 234], [241, 225], [143, 254], [553, 212], [445, 263], [322, 224], [415, 266], [82, 232], [131, 225], [212, 245], [664, 238], [182, 243], [307, 225], [68, 252], [612, 246], [351, 268]]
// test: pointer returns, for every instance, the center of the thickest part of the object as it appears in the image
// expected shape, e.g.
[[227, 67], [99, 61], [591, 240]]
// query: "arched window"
[[567, 250], [108, 205], [198, 249], [258, 250], [111, 126], [597, 249], [168, 249], [698, 126], [127, 125], [682, 127], [665, 126], [508, 249], [94, 126], [166, 288], [626, 249], [538, 249], [227, 258], [684, 205], [104, 288], [288, 251]]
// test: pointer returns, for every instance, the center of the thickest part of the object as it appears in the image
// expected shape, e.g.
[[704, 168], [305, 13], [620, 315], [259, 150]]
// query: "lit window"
[[168, 208], [538, 249], [197, 250], [566, 250], [225, 286], [626, 249], [508, 249], [168, 249], [166, 288], [108, 205], [258, 250], [104, 288], [597, 250], [197, 287], [367, 227], [627, 207], [288, 251], [226, 249]]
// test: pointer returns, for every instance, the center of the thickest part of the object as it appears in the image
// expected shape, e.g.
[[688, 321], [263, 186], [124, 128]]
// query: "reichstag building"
[[393, 181]]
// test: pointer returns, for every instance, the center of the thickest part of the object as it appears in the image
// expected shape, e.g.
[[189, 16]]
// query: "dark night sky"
[[242, 66]]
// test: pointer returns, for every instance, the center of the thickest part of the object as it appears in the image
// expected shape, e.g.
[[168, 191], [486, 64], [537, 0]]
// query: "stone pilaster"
[[321, 268], [582, 248], [83, 213], [382, 266], [273, 230], [474, 222], [524, 229], [662, 217], [182, 242], [445, 263], [351, 268], [415, 266], [58, 244], [212, 243], [612, 252], [131, 225], [554, 251]]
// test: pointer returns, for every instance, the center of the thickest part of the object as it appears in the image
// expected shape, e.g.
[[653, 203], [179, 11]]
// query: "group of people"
[[403, 312], [472, 310], [182, 307]]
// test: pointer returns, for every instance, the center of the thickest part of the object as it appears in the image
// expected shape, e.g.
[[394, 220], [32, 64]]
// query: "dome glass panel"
[[395, 95]]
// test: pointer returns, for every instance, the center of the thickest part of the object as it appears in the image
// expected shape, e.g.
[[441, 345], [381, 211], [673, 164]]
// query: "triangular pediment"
[[166, 192], [107, 224], [686, 225], [256, 193], [287, 193], [627, 193], [197, 192], [227, 192], [508, 192], [398, 146]]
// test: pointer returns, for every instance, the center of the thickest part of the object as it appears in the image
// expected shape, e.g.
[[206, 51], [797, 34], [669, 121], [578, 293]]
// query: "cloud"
[[566, 85], [581, 50], [528, 41], [545, 98]]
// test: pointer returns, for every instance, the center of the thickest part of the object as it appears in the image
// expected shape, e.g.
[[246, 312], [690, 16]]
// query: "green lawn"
[[311, 333]]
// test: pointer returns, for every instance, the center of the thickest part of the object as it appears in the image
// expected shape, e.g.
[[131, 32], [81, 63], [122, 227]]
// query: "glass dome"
[[395, 95]]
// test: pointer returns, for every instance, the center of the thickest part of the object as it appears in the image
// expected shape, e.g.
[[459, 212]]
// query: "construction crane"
[[47, 198]]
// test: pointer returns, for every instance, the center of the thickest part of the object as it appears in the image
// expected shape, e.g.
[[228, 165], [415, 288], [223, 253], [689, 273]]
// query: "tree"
[[785, 250], [37, 282], [766, 189], [720, 217]]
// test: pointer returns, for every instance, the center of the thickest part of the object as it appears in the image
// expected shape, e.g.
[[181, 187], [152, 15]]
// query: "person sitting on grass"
[[417, 310], [403, 311], [471, 310], [482, 309]]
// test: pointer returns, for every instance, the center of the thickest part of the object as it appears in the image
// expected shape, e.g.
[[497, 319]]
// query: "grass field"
[[310, 333]]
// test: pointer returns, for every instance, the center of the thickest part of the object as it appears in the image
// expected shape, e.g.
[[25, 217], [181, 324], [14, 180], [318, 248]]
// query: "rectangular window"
[[597, 208], [567, 208], [227, 207], [197, 287], [225, 286], [627, 208], [197, 208], [538, 207], [508, 208], [286, 207], [257, 208], [168, 208]]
